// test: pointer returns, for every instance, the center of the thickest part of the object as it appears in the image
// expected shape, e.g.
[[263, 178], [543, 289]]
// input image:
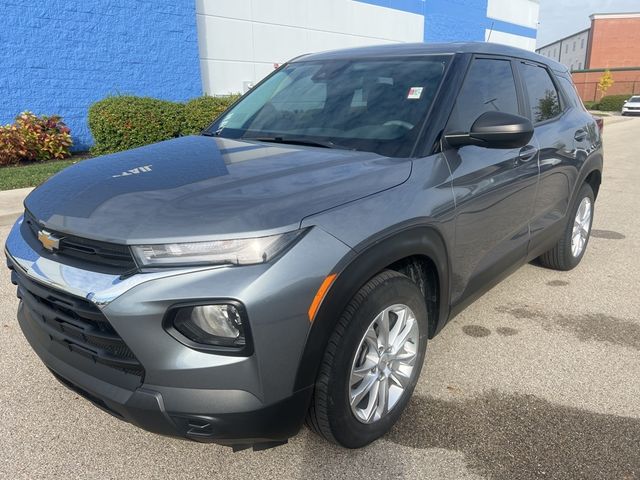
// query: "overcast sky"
[[559, 18]]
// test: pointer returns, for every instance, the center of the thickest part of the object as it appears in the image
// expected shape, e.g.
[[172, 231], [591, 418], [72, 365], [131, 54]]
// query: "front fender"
[[355, 269]]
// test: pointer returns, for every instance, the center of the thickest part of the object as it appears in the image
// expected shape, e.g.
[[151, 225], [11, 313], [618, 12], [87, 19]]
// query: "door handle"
[[527, 153], [580, 135]]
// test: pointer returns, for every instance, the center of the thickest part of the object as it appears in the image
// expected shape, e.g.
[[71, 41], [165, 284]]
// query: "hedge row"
[[609, 103], [124, 122]]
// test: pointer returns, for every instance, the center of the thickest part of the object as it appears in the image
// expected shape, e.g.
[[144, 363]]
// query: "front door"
[[494, 189]]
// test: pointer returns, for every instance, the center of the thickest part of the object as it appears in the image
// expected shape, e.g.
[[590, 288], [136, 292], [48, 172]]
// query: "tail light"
[[600, 123]]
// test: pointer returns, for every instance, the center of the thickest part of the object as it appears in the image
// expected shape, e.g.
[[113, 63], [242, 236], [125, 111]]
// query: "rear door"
[[565, 134], [494, 188]]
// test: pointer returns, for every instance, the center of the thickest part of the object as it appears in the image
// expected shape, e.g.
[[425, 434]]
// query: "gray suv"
[[290, 264]]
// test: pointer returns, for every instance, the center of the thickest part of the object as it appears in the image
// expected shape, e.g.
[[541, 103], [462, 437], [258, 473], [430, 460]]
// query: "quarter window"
[[544, 101], [570, 91], [488, 86]]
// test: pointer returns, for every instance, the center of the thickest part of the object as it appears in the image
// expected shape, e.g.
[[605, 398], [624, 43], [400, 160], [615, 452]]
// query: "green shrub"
[[202, 111], [124, 122], [613, 103], [591, 105], [34, 139]]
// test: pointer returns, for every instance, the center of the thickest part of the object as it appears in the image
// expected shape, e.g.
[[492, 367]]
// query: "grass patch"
[[33, 174]]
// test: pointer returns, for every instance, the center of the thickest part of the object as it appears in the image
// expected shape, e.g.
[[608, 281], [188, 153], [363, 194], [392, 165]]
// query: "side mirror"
[[495, 130]]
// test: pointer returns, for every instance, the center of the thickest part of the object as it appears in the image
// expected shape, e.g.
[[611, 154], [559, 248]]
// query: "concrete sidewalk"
[[11, 204]]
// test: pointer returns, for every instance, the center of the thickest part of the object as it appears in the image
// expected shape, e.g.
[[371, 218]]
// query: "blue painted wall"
[[455, 20], [60, 56]]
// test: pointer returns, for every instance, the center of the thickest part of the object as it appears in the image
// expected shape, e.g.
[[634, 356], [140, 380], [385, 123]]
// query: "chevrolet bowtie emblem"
[[48, 240]]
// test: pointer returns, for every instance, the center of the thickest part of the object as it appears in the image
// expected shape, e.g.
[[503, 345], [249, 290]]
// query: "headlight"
[[220, 325], [244, 251]]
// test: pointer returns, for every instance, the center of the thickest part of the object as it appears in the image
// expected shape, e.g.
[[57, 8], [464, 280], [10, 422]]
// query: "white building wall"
[[520, 12], [240, 41], [523, 13], [570, 51], [518, 41]]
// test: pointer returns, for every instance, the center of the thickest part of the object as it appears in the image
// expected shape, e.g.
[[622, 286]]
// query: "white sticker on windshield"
[[415, 93]]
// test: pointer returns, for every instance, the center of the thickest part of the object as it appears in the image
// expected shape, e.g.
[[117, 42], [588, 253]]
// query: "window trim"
[[564, 104]]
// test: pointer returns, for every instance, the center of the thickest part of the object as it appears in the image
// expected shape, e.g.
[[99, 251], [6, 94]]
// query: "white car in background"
[[631, 106]]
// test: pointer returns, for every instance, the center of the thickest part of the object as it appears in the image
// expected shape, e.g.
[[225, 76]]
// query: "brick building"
[[614, 40], [612, 43]]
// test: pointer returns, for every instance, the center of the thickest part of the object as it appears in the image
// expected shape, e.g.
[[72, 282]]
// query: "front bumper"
[[203, 396]]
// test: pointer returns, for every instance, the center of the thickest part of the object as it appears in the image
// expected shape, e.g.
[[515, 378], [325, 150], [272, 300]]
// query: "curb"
[[11, 204]]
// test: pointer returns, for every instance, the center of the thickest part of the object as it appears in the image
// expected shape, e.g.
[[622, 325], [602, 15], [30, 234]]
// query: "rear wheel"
[[570, 249], [372, 362]]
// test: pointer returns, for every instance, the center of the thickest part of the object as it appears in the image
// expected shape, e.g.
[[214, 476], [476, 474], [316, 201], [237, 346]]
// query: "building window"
[[579, 65], [574, 46], [582, 43], [566, 48]]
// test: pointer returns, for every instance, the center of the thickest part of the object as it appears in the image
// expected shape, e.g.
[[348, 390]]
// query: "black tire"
[[560, 256], [330, 414]]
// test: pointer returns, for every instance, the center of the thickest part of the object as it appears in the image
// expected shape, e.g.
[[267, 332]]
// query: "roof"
[[596, 16], [408, 49], [563, 39]]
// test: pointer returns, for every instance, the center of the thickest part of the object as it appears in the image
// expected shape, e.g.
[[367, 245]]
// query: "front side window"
[[544, 101], [488, 86], [375, 105]]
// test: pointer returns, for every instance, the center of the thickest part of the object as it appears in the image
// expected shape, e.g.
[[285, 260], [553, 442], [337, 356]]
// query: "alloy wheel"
[[383, 364], [581, 227]]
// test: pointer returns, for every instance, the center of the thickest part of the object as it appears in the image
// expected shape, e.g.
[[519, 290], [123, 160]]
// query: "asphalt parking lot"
[[540, 378]]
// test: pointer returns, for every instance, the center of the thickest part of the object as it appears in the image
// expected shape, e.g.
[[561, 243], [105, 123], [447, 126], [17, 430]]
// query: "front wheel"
[[372, 362], [570, 249]]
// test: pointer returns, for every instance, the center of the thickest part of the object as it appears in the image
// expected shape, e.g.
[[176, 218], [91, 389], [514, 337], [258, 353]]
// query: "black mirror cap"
[[495, 130]]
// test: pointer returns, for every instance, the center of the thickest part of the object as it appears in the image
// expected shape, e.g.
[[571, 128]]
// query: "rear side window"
[[570, 92], [488, 86], [543, 96]]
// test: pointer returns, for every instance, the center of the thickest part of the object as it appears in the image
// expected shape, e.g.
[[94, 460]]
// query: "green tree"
[[548, 106]]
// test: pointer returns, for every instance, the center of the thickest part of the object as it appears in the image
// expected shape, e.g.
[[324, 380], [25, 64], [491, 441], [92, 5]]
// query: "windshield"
[[634, 99], [375, 105]]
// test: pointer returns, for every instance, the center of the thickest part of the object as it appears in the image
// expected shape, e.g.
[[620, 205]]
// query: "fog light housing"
[[211, 325]]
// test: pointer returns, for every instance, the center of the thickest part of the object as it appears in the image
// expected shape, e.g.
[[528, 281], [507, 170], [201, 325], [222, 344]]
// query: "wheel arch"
[[419, 252], [590, 173], [594, 178]]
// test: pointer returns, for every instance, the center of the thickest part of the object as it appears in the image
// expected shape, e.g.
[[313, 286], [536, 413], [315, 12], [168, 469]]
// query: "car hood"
[[206, 187]]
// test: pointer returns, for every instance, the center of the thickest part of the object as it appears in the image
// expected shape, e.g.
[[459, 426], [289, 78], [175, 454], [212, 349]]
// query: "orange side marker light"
[[320, 294]]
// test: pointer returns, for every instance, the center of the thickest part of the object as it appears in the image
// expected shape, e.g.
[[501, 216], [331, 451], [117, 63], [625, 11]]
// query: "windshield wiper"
[[293, 141]]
